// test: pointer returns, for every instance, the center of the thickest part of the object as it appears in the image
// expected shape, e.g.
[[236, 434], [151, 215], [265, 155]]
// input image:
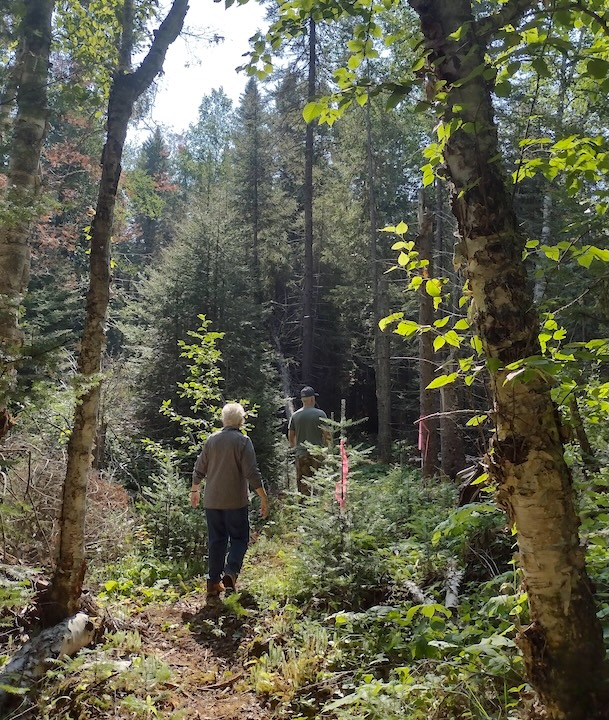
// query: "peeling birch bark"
[[31, 661], [563, 646]]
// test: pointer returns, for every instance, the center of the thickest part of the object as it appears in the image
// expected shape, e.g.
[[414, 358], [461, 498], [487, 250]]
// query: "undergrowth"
[[343, 613]]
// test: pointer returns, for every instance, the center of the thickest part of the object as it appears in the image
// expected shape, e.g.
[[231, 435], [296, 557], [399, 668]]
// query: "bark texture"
[[126, 88], [32, 660], [562, 646], [428, 428], [30, 78], [308, 320], [452, 447], [382, 340], [451, 438]]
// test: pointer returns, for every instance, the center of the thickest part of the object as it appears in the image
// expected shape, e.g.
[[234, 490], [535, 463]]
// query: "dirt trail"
[[201, 644]]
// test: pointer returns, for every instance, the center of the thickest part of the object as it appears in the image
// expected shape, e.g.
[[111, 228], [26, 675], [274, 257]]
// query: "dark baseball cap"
[[308, 391]]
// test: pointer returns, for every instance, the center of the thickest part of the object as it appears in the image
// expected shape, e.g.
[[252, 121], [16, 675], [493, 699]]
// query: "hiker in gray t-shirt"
[[228, 464], [305, 426]]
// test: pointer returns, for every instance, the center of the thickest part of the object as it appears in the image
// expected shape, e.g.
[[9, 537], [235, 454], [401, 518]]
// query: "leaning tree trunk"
[[308, 324], [126, 87], [31, 80], [562, 646]]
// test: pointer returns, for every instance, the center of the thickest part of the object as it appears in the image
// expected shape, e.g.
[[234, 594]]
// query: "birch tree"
[[127, 86], [562, 646]]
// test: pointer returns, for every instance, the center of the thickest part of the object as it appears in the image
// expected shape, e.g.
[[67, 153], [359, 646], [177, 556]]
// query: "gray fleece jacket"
[[228, 463]]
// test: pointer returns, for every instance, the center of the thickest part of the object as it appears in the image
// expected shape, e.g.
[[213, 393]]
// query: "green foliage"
[[101, 681], [593, 500], [342, 630], [175, 529], [16, 587], [201, 388]]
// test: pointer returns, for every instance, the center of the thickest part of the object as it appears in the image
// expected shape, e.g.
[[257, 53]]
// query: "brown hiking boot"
[[214, 588], [230, 583]]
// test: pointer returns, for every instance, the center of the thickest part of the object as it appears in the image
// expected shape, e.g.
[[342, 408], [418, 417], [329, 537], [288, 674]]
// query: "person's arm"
[[251, 472], [326, 433], [291, 432], [264, 502], [198, 474]]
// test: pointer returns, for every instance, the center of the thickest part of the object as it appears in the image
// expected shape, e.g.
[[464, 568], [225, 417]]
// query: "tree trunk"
[[22, 188], [126, 88], [452, 447], [428, 425], [308, 327], [382, 340], [562, 646], [589, 461]]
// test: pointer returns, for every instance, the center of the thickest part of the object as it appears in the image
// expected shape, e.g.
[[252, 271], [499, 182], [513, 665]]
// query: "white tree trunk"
[[31, 661]]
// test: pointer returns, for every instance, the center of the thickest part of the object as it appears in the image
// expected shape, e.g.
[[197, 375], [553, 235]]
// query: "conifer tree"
[[22, 186]]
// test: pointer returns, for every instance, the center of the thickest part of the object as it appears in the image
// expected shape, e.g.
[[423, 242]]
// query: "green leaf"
[[384, 322], [396, 97], [312, 110], [452, 338], [439, 343], [598, 68], [401, 228], [551, 252], [503, 88], [442, 380], [433, 287], [428, 175], [541, 67], [407, 328], [442, 322], [599, 253], [476, 420], [355, 61], [462, 324], [466, 363], [476, 343], [484, 477]]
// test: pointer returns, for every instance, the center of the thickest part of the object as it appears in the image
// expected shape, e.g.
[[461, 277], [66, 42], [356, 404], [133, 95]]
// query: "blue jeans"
[[227, 530]]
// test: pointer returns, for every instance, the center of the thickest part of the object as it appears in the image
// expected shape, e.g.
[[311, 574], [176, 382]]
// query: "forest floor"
[[201, 648], [200, 644]]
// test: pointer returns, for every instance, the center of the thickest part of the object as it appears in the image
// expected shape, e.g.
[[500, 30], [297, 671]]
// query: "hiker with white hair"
[[228, 464]]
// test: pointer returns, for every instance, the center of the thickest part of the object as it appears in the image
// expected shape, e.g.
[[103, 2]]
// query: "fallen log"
[[453, 577], [31, 661], [416, 593]]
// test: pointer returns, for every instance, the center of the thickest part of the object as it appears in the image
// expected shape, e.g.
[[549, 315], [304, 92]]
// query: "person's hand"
[[195, 497], [264, 508]]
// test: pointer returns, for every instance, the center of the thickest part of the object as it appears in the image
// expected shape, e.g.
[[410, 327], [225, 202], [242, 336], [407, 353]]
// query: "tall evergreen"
[[252, 167]]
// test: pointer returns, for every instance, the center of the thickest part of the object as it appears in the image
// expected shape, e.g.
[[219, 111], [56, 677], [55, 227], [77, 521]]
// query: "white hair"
[[233, 415]]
